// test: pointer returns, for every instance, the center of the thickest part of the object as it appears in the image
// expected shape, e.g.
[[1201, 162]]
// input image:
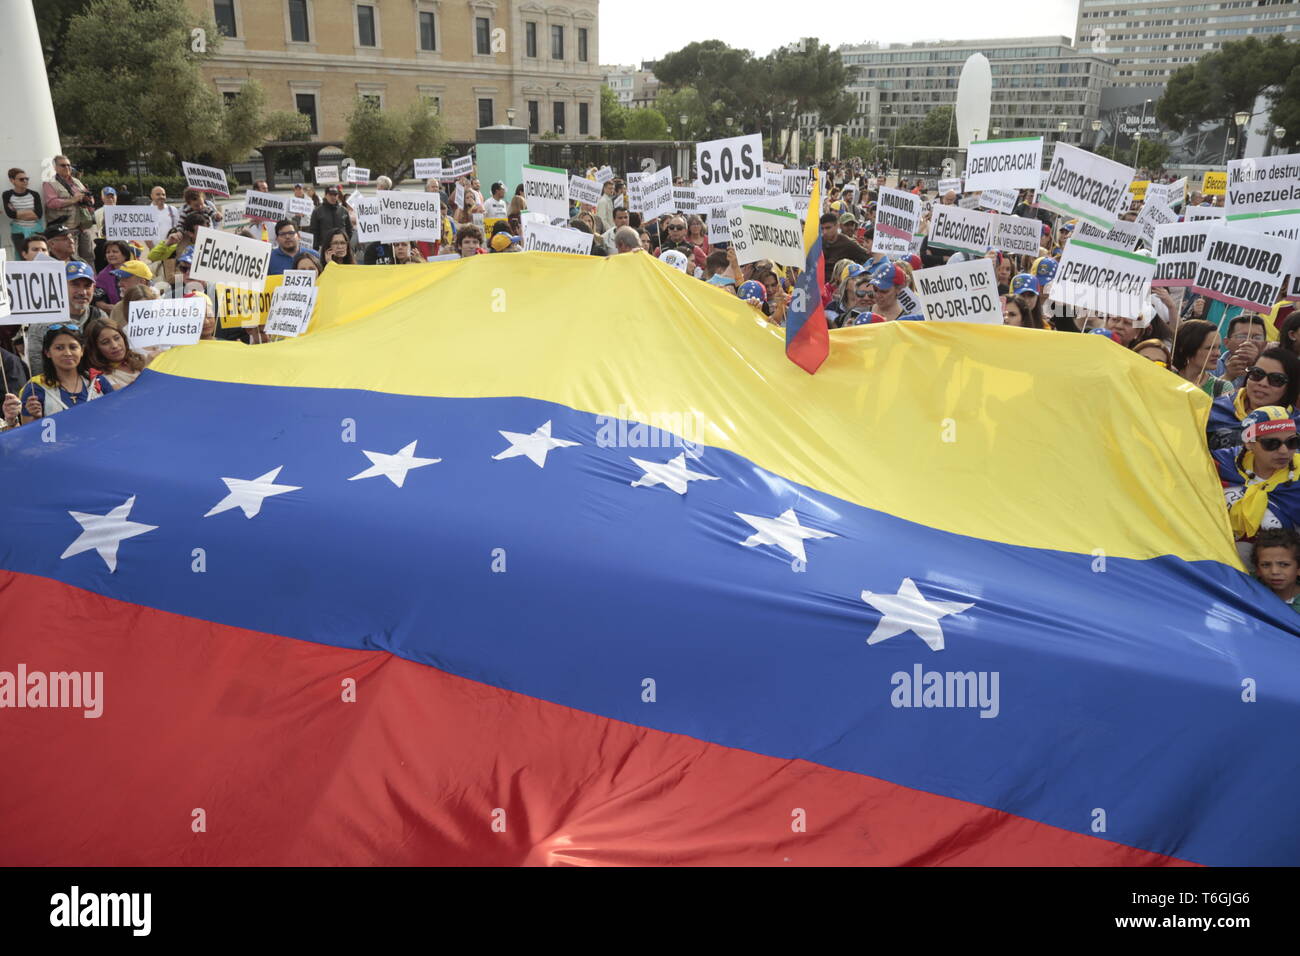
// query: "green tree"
[[806, 77], [646, 124], [1151, 154], [246, 125], [1286, 110], [613, 115], [386, 140], [719, 74], [1228, 81], [686, 101], [860, 147]]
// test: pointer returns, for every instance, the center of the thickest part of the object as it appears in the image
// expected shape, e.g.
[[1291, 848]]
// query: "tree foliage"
[[1286, 110], [1228, 81], [385, 141], [645, 124], [684, 102], [1151, 154], [613, 115]]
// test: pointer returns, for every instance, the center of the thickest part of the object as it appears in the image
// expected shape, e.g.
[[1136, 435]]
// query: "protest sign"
[[409, 216], [306, 239], [1084, 185], [963, 230], [1004, 163], [326, 175], [37, 291], [585, 191], [1264, 184], [999, 200], [898, 216], [910, 301], [291, 309], [736, 161], [239, 307], [1138, 189], [947, 186], [131, 223], [1110, 281], [969, 201], [1214, 182], [782, 202], [233, 213], [1123, 235], [657, 192], [684, 199], [961, 292], [208, 178], [428, 168], [914, 247], [368, 227], [300, 206], [717, 209], [774, 178], [164, 322], [462, 166], [4, 289], [546, 190], [634, 191], [226, 257], [604, 175], [269, 207], [1244, 268], [1018, 235], [1171, 194], [542, 238], [1179, 248], [1155, 212], [356, 174], [458, 195], [796, 182], [1204, 212], [1281, 222], [759, 233]]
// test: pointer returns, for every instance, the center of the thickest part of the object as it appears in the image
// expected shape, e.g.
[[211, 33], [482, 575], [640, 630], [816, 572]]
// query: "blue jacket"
[[280, 262]]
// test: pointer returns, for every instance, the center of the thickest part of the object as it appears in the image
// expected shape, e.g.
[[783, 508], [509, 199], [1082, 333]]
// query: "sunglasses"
[[1276, 379], [20, 179], [281, 235], [65, 327], [1273, 444]]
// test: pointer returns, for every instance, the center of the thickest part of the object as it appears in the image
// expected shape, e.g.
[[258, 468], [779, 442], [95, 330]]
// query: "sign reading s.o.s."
[[728, 162]]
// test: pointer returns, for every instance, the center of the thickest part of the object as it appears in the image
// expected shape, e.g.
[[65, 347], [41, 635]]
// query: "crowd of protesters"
[[1245, 362]]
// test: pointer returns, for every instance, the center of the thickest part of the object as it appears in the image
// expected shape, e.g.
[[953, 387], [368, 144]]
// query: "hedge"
[[126, 186]]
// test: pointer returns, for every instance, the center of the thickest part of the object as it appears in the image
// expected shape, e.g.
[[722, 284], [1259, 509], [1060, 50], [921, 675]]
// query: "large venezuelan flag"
[[405, 590]]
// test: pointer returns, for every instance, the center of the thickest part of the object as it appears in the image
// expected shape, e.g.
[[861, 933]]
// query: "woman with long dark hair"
[[109, 353], [337, 249], [1195, 353], [1274, 379], [61, 385]]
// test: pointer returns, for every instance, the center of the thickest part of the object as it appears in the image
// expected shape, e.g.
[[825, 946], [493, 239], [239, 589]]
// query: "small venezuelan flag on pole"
[[807, 338]]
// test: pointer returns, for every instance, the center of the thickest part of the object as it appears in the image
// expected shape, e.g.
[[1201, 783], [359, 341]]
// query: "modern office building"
[[472, 59]]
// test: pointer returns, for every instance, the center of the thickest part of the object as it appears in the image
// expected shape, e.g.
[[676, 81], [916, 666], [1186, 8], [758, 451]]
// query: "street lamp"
[[682, 128], [997, 131], [1241, 119], [730, 120], [1278, 135], [510, 116]]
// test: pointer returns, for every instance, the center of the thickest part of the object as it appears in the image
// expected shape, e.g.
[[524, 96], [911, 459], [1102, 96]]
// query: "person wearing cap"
[[61, 383], [329, 216], [886, 280], [1261, 474], [62, 244], [81, 309], [836, 245], [132, 273], [1274, 379], [855, 299], [107, 197], [496, 207]]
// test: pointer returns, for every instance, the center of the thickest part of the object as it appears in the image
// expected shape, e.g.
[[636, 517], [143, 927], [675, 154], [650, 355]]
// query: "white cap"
[[675, 259]]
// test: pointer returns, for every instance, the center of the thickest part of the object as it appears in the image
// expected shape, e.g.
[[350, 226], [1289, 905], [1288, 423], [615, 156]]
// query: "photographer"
[[69, 204]]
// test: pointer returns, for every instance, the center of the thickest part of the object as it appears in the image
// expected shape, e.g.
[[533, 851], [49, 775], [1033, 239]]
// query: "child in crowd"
[[1276, 559]]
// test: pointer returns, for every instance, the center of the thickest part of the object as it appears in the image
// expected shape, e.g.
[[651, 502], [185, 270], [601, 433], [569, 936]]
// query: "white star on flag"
[[535, 446], [784, 531], [672, 473], [249, 493], [393, 467], [103, 533], [908, 610]]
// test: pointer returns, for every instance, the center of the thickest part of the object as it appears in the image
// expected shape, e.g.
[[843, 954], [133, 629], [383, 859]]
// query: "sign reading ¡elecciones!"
[[226, 257]]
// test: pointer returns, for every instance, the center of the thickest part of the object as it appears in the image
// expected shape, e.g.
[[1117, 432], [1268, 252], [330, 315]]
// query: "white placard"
[[367, 209], [1004, 164], [717, 210], [910, 302], [737, 161], [1195, 213], [634, 191], [131, 223], [604, 175], [267, 207], [1086, 186], [898, 216], [460, 166], [1109, 281], [542, 238], [1018, 235], [1179, 248], [1264, 184], [38, 292], [963, 230], [207, 178], [326, 175], [291, 310], [657, 193], [300, 206], [774, 178], [999, 200], [428, 168], [546, 190], [962, 292], [458, 195], [1244, 268], [947, 186], [306, 239], [298, 279], [686, 199], [229, 258], [1123, 235], [164, 322], [969, 201], [759, 233], [796, 182], [4, 289], [1155, 213], [1171, 194], [356, 174], [582, 190], [409, 216]]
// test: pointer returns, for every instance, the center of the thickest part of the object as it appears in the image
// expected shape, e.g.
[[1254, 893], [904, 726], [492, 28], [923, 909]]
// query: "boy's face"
[[1277, 568]]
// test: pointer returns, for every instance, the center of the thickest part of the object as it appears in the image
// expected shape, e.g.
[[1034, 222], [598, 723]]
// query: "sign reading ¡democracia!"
[[546, 190], [1084, 185], [759, 233], [1003, 163], [542, 238], [1109, 281], [229, 258]]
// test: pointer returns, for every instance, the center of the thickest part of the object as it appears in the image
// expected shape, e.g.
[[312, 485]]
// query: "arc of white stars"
[[909, 610], [103, 533], [534, 446], [672, 474], [784, 531], [249, 493], [393, 467]]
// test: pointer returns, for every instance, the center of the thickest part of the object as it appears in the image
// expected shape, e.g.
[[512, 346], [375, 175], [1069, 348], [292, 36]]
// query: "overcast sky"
[[632, 31]]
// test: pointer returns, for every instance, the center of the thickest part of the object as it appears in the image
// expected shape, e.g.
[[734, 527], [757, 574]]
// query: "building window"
[[557, 43], [298, 31], [534, 117], [582, 44], [583, 118], [365, 25], [434, 101], [559, 118], [485, 112], [530, 40], [224, 13], [373, 100], [306, 105], [482, 36], [228, 97], [428, 32]]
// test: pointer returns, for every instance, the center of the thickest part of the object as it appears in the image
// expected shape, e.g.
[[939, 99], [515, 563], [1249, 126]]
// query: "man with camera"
[[68, 203]]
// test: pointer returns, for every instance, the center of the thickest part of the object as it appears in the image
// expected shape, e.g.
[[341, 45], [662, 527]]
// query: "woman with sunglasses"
[[1274, 379], [23, 207], [338, 249], [857, 296], [61, 385], [1261, 478]]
